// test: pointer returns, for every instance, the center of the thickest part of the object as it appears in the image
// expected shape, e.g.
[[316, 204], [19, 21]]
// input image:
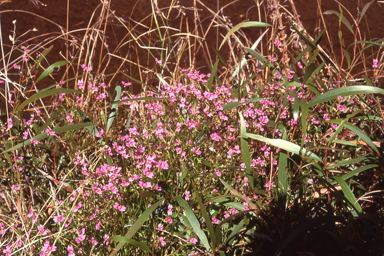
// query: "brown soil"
[[48, 19]]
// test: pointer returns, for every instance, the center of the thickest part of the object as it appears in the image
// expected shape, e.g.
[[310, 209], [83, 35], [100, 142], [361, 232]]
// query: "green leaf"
[[113, 113], [313, 46], [218, 55], [207, 221], [295, 105], [365, 8], [346, 54], [256, 55], [282, 174], [347, 162], [137, 99], [143, 246], [337, 131], [344, 91], [319, 37], [304, 115], [251, 51], [42, 56], [246, 24], [286, 145], [348, 194], [245, 152], [92, 129], [358, 132], [43, 94], [235, 232], [358, 170], [50, 69], [235, 104], [308, 72], [238, 194], [343, 19], [213, 74], [194, 222], [44, 135], [136, 226]]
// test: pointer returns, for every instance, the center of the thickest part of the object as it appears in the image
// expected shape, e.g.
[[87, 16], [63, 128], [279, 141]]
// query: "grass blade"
[[44, 135], [43, 94], [344, 91], [143, 246], [358, 132], [245, 151], [348, 194], [343, 19], [50, 69], [113, 113], [246, 24], [207, 221], [286, 145], [213, 75], [282, 173], [194, 222], [136, 226]]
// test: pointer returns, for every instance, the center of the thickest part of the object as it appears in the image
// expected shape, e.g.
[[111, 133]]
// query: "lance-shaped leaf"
[[282, 176], [358, 132], [348, 194], [245, 152], [235, 104], [207, 220], [113, 113], [194, 222], [43, 135], [251, 51], [286, 145], [42, 56], [246, 24], [136, 226], [213, 74], [137, 99], [50, 69], [143, 246], [43, 94], [92, 129], [343, 19], [344, 91]]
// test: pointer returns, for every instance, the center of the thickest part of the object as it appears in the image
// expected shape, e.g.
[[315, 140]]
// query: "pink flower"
[[215, 137], [58, 218], [192, 240], [374, 65], [13, 187], [42, 230], [169, 209], [215, 221], [162, 242], [70, 250], [47, 248], [106, 239], [187, 194], [217, 172], [169, 220], [121, 208], [49, 132]]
